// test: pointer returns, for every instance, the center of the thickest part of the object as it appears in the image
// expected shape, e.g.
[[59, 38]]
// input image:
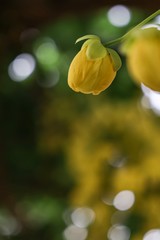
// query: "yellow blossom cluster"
[[109, 148], [116, 151]]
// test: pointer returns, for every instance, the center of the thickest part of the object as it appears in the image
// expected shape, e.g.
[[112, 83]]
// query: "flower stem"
[[141, 24]]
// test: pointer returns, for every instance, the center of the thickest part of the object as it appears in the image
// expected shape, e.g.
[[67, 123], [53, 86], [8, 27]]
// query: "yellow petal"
[[90, 76], [143, 62]]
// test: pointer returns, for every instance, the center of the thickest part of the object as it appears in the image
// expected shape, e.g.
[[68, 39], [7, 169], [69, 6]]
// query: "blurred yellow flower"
[[143, 57], [94, 67]]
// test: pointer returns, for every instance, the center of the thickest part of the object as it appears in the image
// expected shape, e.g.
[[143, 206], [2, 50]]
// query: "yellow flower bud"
[[94, 67], [143, 57]]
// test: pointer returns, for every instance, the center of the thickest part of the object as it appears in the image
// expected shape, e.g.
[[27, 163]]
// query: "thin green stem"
[[115, 41], [141, 24]]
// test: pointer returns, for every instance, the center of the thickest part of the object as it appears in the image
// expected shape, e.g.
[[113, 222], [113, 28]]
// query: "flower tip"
[[89, 36]]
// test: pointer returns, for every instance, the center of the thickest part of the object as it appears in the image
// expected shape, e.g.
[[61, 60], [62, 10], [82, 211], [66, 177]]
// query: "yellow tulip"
[[143, 57], [94, 67]]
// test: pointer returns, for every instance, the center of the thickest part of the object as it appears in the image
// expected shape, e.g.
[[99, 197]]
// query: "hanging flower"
[[142, 50], [94, 67]]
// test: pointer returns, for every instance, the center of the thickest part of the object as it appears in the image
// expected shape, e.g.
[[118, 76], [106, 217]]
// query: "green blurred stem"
[[141, 24]]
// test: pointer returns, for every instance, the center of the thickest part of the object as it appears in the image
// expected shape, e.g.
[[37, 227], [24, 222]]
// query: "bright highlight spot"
[[75, 233], [21, 67], [151, 99], [119, 232], [157, 20], [151, 25], [119, 15], [124, 200], [153, 234], [82, 217]]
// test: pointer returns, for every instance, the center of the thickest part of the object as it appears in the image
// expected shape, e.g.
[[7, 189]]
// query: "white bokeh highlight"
[[150, 99], [73, 232], [83, 217], [21, 67], [119, 15], [153, 234], [124, 200], [118, 232]]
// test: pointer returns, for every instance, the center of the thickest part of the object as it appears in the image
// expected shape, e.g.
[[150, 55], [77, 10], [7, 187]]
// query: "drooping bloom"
[[94, 67], [143, 57]]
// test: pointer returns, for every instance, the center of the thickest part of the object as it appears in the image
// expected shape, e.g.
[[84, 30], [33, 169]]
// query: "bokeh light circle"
[[119, 232], [21, 67], [119, 15], [75, 233], [124, 200], [83, 217], [153, 234]]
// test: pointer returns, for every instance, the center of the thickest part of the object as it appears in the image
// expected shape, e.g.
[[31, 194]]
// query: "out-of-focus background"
[[74, 166]]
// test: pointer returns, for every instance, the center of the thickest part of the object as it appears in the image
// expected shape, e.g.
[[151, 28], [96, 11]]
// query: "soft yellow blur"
[[95, 142], [143, 58]]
